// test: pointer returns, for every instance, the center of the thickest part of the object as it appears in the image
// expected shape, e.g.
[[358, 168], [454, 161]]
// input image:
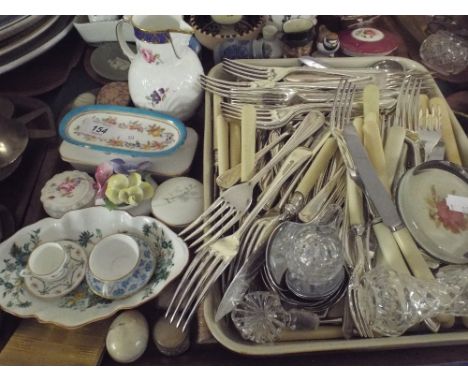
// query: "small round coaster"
[[109, 62], [169, 339]]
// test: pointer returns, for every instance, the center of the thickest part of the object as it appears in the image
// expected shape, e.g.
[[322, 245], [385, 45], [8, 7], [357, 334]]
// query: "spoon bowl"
[[387, 65]]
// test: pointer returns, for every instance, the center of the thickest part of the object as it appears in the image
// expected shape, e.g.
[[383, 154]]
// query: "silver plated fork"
[[209, 264], [255, 72], [233, 203]]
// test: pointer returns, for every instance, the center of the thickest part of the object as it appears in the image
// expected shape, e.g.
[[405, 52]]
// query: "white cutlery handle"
[[389, 248], [371, 101], [354, 203], [374, 147], [222, 138], [319, 164], [232, 176], [437, 105], [248, 132], [311, 123], [294, 160], [392, 150], [234, 144]]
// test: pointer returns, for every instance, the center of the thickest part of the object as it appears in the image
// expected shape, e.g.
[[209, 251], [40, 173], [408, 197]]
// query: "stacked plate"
[[317, 303], [23, 38]]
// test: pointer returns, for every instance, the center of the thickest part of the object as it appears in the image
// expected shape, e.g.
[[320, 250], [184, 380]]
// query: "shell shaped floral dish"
[[86, 227], [131, 282], [421, 201], [74, 275], [123, 130]]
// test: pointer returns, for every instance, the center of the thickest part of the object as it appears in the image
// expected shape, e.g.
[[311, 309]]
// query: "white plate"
[[18, 26], [28, 37], [7, 21], [86, 227], [37, 51], [422, 206]]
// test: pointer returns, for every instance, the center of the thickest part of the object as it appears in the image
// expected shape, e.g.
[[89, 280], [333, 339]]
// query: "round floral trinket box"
[[368, 42], [69, 190]]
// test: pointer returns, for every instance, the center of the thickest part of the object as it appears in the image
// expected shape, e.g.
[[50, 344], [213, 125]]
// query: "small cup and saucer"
[[54, 269], [120, 265]]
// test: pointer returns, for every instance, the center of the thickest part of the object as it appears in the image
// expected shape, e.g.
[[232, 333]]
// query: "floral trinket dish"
[[66, 191], [178, 201], [424, 203], [123, 130], [87, 227]]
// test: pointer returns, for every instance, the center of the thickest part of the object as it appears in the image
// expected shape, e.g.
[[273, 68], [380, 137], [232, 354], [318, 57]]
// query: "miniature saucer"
[[76, 271], [422, 200], [132, 274]]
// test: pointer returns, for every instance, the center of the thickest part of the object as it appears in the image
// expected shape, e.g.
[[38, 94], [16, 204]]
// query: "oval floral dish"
[[123, 130], [86, 227]]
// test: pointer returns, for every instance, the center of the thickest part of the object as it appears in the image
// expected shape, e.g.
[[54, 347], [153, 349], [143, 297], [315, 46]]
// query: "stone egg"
[[127, 337]]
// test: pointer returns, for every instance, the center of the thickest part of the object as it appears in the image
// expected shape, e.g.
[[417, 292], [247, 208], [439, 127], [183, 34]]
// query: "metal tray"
[[328, 338]]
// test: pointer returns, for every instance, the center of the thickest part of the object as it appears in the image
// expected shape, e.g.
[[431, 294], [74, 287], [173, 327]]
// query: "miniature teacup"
[[113, 258], [48, 262]]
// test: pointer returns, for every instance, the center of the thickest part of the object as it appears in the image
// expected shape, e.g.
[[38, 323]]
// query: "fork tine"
[[244, 66], [239, 73], [349, 99], [231, 214], [237, 263], [222, 266], [197, 260], [222, 208], [193, 288], [226, 83], [202, 217], [238, 109], [216, 84], [205, 265]]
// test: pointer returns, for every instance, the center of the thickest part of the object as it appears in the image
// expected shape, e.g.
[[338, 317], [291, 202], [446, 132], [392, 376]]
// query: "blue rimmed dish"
[[123, 130]]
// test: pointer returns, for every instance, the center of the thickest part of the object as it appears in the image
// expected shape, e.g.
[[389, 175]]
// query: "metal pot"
[[13, 141]]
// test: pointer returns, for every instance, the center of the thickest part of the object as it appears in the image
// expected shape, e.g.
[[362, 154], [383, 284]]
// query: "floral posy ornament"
[[121, 184], [439, 212], [69, 190]]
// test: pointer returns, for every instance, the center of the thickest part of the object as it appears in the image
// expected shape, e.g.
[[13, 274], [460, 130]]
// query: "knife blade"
[[240, 283], [373, 187]]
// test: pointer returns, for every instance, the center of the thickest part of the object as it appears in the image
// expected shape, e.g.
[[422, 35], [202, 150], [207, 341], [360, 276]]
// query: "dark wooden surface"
[[42, 160]]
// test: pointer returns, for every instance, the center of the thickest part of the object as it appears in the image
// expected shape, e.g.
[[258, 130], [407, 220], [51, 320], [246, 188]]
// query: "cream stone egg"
[[127, 337]]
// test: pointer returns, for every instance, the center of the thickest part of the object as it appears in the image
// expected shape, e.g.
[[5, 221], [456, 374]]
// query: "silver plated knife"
[[380, 198]]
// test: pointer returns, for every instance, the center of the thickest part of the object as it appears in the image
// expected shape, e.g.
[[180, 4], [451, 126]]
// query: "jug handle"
[[121, 39]]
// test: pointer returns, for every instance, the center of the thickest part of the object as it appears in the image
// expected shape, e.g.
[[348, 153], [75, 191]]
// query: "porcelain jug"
[[164, 72]]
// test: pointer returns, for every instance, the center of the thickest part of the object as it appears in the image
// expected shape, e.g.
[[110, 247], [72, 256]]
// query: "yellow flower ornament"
[[122, 189]]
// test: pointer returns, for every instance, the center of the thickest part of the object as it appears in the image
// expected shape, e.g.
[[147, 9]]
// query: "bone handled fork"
[[210, 263], [233, 203]]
